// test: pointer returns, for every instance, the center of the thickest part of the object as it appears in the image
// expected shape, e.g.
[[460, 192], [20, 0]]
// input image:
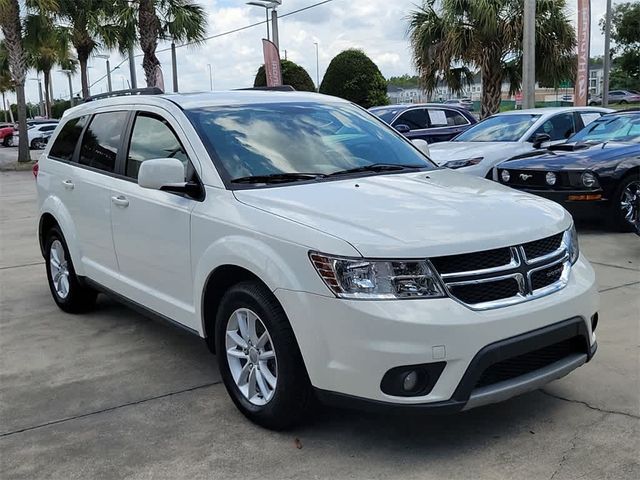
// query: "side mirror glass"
[[402, 128], [422, 145], [160, 172], [539, 139]]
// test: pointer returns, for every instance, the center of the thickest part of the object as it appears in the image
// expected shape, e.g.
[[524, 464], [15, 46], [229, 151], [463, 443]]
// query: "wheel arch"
[[54, 213]]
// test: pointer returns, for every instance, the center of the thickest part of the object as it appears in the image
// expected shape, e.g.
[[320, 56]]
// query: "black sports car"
[[596, 173]]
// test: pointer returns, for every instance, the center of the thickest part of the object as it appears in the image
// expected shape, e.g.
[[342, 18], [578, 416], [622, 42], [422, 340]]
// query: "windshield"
[[611, 128], [299, 138], [499, 128]]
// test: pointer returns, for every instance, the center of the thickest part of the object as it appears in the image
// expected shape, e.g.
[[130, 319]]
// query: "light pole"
[[210, 77], [270, 4], [606, 64], [317, 67], [40, 106], [529, 55], [106, 57], [69, 72]]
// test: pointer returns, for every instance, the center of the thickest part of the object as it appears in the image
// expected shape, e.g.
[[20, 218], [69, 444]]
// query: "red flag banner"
[[581, 93], [271, 63]]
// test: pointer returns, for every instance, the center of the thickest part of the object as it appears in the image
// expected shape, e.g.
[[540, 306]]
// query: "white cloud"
[[376, 26]]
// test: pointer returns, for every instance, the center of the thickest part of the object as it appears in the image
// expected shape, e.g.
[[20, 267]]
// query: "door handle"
[[120, 201], [68, 184]]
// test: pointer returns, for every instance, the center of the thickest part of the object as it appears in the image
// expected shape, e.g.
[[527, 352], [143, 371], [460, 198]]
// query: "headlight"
[[589, 180], [505, 176], [550, 177], [570, 240], [376, 279], [463, 163]]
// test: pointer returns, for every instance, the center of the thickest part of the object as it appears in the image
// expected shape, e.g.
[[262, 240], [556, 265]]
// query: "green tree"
[[625, 32], [487, 36], [352, 75], [46, 45], [6, 84], [155, 20], [404, 81], [292, 74]]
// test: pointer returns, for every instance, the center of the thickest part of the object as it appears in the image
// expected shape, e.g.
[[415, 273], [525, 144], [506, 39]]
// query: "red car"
[[6, 134]]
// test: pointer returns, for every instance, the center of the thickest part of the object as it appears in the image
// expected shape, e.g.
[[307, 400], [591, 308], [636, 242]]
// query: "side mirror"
[[402, 128], [539, 139], [422, 145], [160, 172]]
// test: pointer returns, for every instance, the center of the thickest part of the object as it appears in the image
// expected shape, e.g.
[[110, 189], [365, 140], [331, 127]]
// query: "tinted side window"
[[152, 137], [101, 141], [445, 118], [66, 140], [455, 118], [415, 119], [559, 127]]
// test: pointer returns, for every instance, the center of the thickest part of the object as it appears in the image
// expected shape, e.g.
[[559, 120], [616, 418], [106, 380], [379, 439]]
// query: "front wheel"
[[627, 205], [67, 291], [8, 141], [259, 359]]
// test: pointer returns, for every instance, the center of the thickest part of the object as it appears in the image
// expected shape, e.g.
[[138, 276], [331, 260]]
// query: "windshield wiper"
[[277, 178], [377, 167]]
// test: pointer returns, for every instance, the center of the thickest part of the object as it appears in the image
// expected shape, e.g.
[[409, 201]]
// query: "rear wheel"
[[259, 358], [68, 293], [627, 204], [8, 141]]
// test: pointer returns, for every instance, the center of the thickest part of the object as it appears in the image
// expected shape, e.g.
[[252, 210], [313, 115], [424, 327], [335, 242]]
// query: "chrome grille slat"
[[535, 277]]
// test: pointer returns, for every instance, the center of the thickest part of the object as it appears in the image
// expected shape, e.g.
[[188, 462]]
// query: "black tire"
[[292, 397], [34, 144], [7, 141], [623, 102], [79, 298], [618, 218]]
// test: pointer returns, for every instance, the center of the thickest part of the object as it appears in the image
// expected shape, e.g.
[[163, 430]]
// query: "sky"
[[376, 26]]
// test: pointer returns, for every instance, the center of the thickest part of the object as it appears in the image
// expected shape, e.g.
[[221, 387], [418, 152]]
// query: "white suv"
[[318, 252]]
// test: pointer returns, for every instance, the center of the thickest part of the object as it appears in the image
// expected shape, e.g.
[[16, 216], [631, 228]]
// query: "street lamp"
[[317, 66], [40, 106], [69, 73], [270, 4], [210, 77], [106, 57]]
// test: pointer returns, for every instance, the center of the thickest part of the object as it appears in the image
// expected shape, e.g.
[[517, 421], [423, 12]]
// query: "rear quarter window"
[[65, 143]]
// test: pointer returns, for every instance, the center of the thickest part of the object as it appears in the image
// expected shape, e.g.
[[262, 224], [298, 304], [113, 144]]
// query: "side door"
[[445, 123], [151, 228], [90, 185], [416, 120]]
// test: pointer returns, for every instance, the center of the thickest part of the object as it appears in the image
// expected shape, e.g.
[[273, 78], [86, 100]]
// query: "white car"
[[499, 137], [315, 249], [37, 133]]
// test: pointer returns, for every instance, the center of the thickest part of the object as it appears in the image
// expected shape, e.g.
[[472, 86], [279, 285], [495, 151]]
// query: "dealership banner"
[[581, 93], [271, 63]]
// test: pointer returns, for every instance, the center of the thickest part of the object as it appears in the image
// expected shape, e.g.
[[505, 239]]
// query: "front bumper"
[[348, 346], [577, 208]]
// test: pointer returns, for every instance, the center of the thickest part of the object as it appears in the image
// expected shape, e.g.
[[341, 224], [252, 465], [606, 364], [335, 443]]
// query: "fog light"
[[410, 381], [589, 180], [505, 176], [550, 177]]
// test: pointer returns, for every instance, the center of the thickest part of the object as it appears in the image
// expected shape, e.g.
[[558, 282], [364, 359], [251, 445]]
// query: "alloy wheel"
[[251, 356], [630, 203], [59, 269]]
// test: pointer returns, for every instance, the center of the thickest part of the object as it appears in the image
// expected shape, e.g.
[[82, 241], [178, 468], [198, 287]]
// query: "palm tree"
[[89, 23], [487, 35], [12, 31], [46, 44], [175, 20], [6, 84]]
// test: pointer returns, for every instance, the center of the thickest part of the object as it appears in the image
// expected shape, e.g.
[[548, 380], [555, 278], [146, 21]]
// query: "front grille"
[[544, 246], [530, 361], [472, 261], [475, 293], [504, 276], [546, 276]]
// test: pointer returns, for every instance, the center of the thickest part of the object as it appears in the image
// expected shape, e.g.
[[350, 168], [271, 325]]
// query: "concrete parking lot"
[[112, 394]]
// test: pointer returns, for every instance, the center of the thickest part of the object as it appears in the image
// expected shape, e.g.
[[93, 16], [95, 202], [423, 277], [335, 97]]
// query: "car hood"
[[594, 157], [444, 152], [418, 214]]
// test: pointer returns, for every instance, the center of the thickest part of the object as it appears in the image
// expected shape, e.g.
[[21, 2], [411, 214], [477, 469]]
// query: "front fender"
[[56, 208]]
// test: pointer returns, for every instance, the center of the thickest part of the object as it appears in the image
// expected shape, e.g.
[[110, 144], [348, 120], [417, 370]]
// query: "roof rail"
[[280, 88], [123, 93]]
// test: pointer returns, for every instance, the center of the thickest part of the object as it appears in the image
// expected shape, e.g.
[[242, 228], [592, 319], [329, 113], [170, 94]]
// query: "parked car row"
[[38, 133]]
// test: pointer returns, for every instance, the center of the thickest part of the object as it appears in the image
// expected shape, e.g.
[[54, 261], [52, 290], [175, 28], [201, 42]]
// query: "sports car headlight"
[[570, 240], [377, 279], [463, 163]]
